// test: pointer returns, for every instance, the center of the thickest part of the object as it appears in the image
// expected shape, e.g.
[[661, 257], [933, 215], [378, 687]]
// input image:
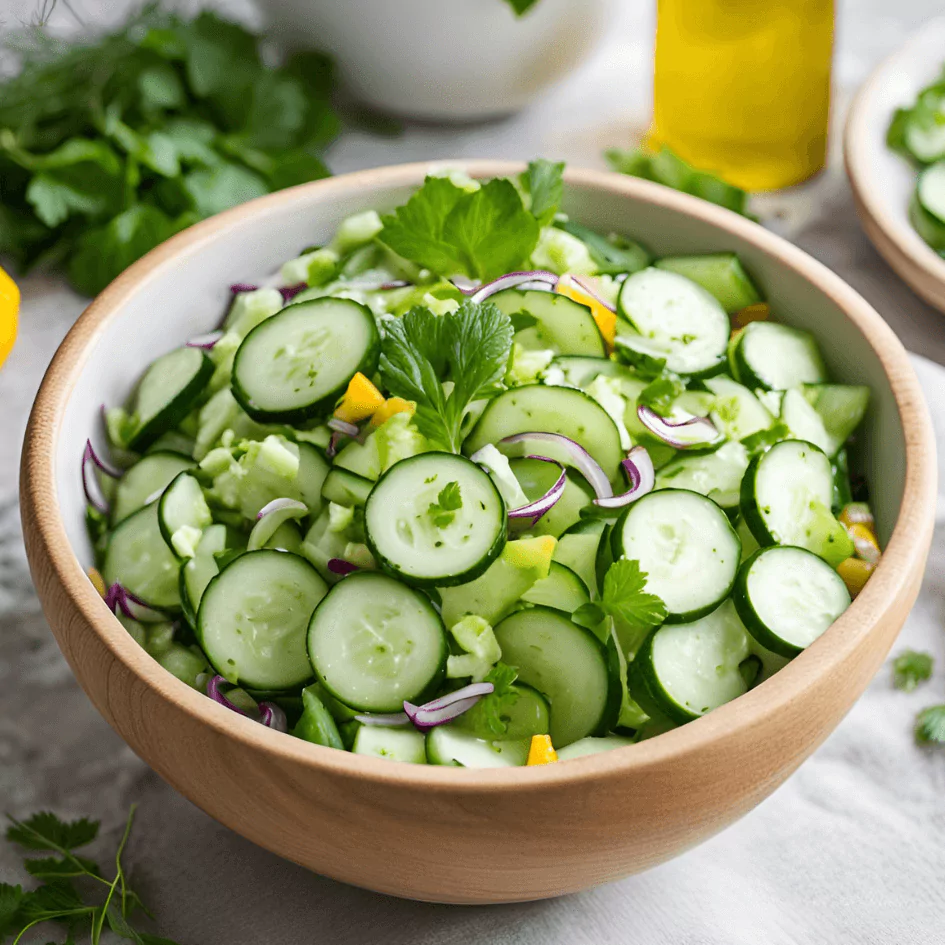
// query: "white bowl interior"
[[186, 294]]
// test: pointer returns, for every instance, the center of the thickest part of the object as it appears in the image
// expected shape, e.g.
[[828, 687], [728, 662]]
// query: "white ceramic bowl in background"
[[883, 181], [454, 60]]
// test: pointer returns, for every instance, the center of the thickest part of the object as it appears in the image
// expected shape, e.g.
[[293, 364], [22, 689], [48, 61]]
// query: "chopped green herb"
[[660, 393], [542, 182], [911, 668], [930, 725], [763, 440], [448, 503], [489, 713], [624, 597]]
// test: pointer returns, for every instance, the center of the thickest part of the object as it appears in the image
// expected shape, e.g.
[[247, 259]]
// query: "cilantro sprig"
[[76, 895], [448, 503], [910, 668], [930, 725], [470, 348], [624, 598], [491, 713]]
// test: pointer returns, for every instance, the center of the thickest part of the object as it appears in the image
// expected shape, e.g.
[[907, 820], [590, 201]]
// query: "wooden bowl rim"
[[890, 584], [902, 247]]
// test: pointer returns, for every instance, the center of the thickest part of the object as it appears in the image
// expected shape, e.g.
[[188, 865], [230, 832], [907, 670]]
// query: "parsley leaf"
[[11, 898], [660, 393], [490, 714], [469, 347], [930, 725], [45, 831], [481, 234], [543, 183], [447, 504], [911, 668], [624, 598]]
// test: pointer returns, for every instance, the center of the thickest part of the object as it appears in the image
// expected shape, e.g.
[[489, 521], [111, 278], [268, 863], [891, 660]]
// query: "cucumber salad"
[[474, 485]]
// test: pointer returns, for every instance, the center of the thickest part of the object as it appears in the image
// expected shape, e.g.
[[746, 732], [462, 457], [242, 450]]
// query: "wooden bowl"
[[447, 834], [882, 181]]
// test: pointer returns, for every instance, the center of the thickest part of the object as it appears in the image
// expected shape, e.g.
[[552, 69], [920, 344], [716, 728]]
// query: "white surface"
[[884, 179], [444, 59]]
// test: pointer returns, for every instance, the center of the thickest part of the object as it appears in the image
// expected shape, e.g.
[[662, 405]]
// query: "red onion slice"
[[535, 279], [395, 718], [342, 426], [533, 511], [680, 434], [340, 566], [447, 708], [394, 284], [238, 287], [134, 608], [272, 716], [289, 292], [639, 469], [572, 454], [216, 694], [92, 466], [206, 341]]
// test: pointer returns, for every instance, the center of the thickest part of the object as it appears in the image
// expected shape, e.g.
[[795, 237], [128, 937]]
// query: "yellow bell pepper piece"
[[759, 312], [541, 751], [855, 573], [864, 540], [391, 406], [605, 318], [360, 401], [9, 308], [98, 582]]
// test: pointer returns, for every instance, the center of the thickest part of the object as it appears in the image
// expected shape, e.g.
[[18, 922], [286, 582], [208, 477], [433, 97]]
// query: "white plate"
[[882, 180]]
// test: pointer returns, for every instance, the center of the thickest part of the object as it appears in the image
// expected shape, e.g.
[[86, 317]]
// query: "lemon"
[[9, 307]]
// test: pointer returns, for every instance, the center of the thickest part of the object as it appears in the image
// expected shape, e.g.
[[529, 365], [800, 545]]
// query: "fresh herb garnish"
[[930, 725], [625, 598], [81, 910], [521, 6], [543, 183], [469, 347], [480, 233], [660, 393], [110, 146], [763, 440], [613, 254], [448, 503], [667, 168], [911, 668], [491, 713]]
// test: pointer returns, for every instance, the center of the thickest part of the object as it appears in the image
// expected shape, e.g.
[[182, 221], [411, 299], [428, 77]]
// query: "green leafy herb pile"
[[75, 894], [110, 146], [911, 669]]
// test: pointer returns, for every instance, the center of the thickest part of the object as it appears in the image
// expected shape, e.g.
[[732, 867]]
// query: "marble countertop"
[[207, 884]]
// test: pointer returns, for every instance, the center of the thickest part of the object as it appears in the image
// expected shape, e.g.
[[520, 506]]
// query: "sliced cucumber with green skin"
[[735, 410], [536, 478], [677, 319], [804, 421], [563, 325], [721, 274], [561, 590], [313, 471], [841, 408], [787, 597], [167, 393], [200, 570], [316, 724], [524, 712], [448, 745], [604, 557], [593, 746], [183, 514], [346, 488], [420, 537], [392, 744], [536, 408], [138, 558], [577, 549], [579, 371], [253, 619], [842, 488], [776, 357], [717, 474], [786, 499], [931, 190], [145, 481], [685, 670], [374, 643], [685, 545], [569, 665], [297, 363], [929, 227]]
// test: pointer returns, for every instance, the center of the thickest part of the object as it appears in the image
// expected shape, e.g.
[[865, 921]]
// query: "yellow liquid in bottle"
[[742, 87]]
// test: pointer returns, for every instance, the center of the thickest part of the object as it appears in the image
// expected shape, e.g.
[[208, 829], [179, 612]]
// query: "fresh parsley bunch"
[[108, 147]]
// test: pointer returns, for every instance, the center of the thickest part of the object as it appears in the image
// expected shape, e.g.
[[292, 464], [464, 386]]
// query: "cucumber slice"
[[321, 544], [593, 746], [374, 643], [346, 488], [562, 590], [931, 190], [183, 514], [721, 274], [577, 549], [563, 325], [579, 371], [435, 520], [924, 132], [297, 363], [145, 481], [200, 570], [536, 478], [569, 665], [787, 597], [316, 724], [138, 558], [686, 546], [676, 319], [736, 411], [685, 670], [393, 744], [841, 408], [524, 713], [168, 392], [310, 480], [776, 357], [536, 408], [717, 474], [447, 745], [253, 618], [930, 228], [786, 498], [804, 422]]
